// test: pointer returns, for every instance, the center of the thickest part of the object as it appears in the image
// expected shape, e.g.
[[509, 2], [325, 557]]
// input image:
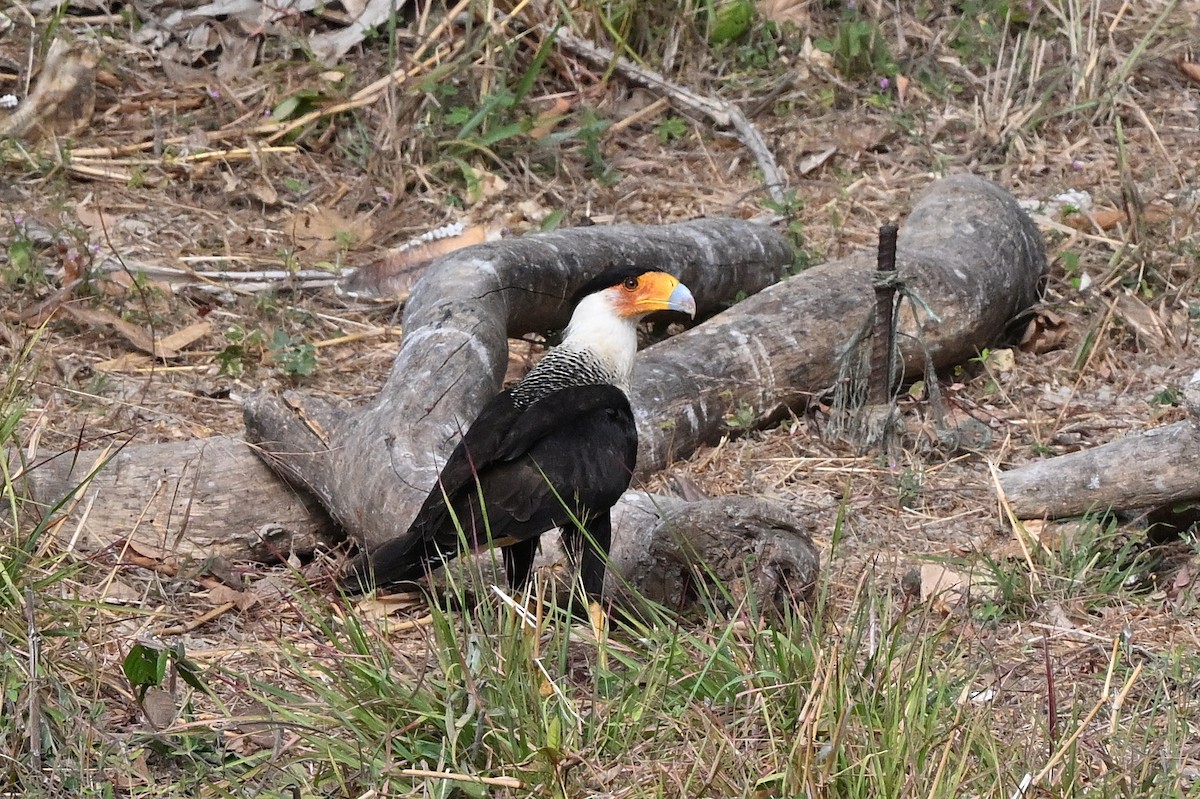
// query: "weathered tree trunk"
[[1141, 471], [967, 249], [672, 552], [671, 549], [1152, 468], [206, 497]]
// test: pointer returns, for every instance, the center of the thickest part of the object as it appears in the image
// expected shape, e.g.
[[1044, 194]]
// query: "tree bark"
[[202, 498], [970, 252], [671, 551]]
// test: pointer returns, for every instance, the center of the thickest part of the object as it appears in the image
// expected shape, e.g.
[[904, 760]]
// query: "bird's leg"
[[518, 562], [595, 552], [518, 565]]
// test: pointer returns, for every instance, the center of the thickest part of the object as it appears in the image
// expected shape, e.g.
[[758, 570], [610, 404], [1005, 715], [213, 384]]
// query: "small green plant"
[[909, 485], [982, 27], [297, 185], [859, 49], [728, 19], [741, 419], [1070, 266], [1167, 397], [790, 207], [21, 257], [242, 349], [296, 357], [145, 666], [670, 128]]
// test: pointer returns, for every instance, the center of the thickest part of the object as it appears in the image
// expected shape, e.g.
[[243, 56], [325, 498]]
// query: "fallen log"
[[1145, 470], [967, 249], [673, 551], [209, 497]]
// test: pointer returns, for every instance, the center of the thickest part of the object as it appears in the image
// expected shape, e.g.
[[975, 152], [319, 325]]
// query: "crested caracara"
[[556, 450]]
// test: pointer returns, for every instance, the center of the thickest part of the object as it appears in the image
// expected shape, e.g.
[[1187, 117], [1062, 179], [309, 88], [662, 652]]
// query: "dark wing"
[[575, 448]]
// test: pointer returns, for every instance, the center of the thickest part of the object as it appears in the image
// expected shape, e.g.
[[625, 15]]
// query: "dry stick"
[[883, 341], [188, 626], [1051, 696], [722, 113], [499, 782]]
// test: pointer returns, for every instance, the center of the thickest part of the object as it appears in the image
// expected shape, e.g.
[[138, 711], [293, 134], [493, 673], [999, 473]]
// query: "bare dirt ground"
[[171, 170]]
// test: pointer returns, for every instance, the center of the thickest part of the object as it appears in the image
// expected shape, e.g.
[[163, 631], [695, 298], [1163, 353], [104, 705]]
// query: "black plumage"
[[518, 473]]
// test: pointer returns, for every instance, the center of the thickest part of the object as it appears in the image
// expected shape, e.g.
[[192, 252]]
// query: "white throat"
[[597, 328]]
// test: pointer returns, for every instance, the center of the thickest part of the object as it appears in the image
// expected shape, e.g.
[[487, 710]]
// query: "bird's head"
[[608, 309], [630, 293]]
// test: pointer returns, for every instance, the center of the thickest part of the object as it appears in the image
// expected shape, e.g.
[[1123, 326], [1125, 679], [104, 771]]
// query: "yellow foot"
[[600, 630]]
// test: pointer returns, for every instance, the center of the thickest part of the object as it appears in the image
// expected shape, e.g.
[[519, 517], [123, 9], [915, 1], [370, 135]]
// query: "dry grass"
[[1076, 658]]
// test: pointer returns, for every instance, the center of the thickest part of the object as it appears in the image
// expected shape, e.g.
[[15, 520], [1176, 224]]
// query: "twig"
[[1051, 696], [188, 626], [499, 782], [1027, 781], [259, 280], [1019, 531], [724, 114]]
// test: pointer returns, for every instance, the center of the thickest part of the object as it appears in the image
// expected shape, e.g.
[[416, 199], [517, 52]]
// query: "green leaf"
[[535, 67], [458, 115], [730, 20], [145, 665], [295, 105]]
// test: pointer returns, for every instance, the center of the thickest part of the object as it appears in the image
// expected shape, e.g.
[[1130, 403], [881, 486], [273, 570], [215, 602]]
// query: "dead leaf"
[[148, 551], [181, 339], [321, 232], [548, 119], [125, 364], [238, 54], [1002, 360], [1045, 332], [273, 586], [265, 193], [1190, 71], [113, 592], [222, 594], [483, 185], [943, 588], [781, 11], [165, 348], [159, 707], [378, 608], [1143, 321], [811, 163]]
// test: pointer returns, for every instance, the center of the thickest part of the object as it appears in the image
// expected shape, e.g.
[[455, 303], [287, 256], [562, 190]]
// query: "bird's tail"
[[395, 561]]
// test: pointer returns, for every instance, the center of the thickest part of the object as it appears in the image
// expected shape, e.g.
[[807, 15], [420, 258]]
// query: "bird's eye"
[[630, 283]]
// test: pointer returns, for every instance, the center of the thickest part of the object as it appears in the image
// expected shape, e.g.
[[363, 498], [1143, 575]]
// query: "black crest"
[[610, 277]]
